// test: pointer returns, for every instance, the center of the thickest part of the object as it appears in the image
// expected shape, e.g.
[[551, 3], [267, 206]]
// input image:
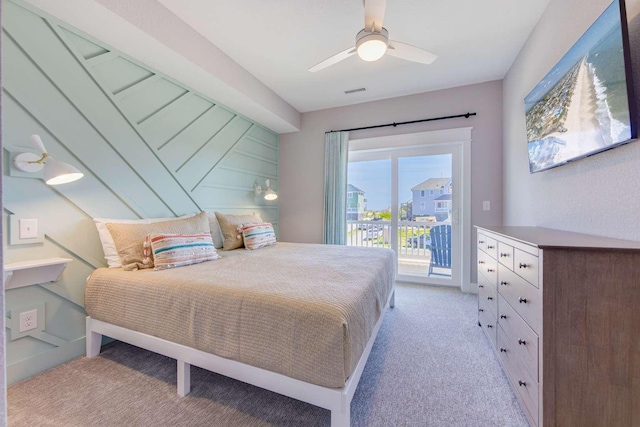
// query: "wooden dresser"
[[562, 312]]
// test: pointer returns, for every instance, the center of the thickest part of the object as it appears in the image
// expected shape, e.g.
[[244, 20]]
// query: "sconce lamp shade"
[[269, 194], [55, 172]]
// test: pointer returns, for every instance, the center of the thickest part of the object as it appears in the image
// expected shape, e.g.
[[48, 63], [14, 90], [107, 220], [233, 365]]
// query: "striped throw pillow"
[[177, 250], [258, 236]]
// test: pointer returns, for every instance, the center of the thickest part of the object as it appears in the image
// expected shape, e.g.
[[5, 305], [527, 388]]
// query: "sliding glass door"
[[408, 199]]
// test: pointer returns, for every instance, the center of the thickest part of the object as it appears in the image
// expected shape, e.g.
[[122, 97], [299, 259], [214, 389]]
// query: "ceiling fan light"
[[372, 50]]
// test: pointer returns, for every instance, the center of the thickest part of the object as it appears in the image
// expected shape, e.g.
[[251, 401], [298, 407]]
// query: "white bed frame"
[[337, 400]]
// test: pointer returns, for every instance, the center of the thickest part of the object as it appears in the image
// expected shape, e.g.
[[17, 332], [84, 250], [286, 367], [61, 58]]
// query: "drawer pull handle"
[[523, 265], [504, 255], [522, 342], [480, 241], [480, 262], [489, 326], [481, 310], [504, 283], [503, 316], [481, 286], [522, 300], [490, 247], [522, 383], [490, 298], [490, 270], [503, 350]]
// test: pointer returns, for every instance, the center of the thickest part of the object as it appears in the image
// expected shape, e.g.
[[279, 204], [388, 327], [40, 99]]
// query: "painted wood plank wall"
[[149, 147]]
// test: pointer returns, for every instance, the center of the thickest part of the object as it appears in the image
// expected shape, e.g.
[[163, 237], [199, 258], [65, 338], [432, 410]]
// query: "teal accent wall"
[[149, 147]]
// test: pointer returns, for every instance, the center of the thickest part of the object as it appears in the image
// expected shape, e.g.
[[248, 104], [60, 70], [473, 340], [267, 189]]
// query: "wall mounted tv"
[[585, 104]]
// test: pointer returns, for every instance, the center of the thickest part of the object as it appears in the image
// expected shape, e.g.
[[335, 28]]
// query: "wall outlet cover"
[[28, 320]]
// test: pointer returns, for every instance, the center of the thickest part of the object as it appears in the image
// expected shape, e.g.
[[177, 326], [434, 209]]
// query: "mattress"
[[302, 310]]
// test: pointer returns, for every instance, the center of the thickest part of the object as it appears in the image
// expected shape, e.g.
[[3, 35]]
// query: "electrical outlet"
[[28, 320]]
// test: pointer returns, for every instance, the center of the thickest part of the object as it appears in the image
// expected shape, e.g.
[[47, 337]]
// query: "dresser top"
[[546, 238]]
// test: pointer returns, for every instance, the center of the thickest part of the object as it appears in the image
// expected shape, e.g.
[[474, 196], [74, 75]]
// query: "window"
[[422, 205], [349, 195], [439, 204], [431, 192], [422, 193]]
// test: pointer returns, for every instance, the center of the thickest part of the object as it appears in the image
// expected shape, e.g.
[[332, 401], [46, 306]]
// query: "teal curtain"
[[336, 159]]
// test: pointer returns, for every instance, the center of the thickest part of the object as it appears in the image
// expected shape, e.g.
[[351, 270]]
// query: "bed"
[[296, 319]]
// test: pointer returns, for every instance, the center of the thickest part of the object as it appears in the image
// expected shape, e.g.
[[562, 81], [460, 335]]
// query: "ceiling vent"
[[349, 92]]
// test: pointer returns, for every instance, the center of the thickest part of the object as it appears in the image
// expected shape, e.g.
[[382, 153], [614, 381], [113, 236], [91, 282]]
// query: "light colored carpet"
[[430, 366]]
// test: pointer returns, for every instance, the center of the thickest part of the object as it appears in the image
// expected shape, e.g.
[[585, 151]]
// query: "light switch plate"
[[28, 228], [486, 205], [19, 227]]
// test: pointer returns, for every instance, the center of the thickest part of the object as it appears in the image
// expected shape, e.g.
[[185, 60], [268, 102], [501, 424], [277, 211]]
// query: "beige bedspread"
[[305, 311]]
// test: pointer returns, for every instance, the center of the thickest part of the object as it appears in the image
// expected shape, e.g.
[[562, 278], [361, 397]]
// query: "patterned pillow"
[[229, 225], [109, 246], [177, 250], [129, 238], [258, 236]]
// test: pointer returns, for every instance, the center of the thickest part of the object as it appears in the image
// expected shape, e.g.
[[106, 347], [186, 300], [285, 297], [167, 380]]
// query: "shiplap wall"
[[148, 146]]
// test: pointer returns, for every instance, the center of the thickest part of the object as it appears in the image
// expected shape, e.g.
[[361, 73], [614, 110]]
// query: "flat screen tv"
[[585, 104]]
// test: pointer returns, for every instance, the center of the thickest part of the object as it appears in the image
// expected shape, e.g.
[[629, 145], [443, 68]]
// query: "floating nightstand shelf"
[[27, 273]]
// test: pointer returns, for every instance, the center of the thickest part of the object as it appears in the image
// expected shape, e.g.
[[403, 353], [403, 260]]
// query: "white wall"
[[301, 154], [597, 195]]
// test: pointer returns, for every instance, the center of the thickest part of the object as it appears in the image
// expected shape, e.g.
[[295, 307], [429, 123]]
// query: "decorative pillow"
[[177, 250], [216, 234], [229, 227], [129, 238], [258, 236], [108, 245]]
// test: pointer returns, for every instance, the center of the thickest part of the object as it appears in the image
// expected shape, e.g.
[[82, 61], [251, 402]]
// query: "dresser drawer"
[[526, 266], [492, 247], [488, 267], [505, 255], [488, 296], [488, 324], [526, 387], [521, 337], [482, 242], [523, 297]]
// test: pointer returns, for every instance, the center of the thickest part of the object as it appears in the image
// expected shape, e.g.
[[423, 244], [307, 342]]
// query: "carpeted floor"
[[430, 366]]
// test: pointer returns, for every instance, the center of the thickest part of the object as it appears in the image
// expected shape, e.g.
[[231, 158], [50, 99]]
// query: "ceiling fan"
[[373, 41]]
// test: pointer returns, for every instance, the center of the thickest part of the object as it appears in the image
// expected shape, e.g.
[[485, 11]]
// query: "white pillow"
[[216, 233], [109, 246]]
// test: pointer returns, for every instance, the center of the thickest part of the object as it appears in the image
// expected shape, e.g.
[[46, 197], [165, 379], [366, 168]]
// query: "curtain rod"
[[466, 116]]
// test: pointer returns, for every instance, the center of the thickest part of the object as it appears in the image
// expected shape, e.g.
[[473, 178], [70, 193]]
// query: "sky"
[[374, 177]]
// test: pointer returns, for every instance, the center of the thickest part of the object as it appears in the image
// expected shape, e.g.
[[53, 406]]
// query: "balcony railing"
[[414, 254]]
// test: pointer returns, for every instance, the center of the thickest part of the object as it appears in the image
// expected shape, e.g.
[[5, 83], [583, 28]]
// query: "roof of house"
[[443, 197], [354, 188], [432, 184]]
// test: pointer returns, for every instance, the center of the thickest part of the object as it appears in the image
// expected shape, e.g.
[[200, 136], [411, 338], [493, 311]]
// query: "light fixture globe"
[[371, 45]]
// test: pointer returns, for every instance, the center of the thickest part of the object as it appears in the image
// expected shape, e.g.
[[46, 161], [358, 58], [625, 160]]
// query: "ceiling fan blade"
[[374, 13], [410, 53], [333, 60]]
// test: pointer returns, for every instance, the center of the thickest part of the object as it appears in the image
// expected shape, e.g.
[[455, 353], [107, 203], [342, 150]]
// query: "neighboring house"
[[356, 203], [425, 194], [442, 207]]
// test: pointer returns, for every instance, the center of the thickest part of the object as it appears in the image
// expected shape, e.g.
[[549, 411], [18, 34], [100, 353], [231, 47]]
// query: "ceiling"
[[253, 55], [277, 41]]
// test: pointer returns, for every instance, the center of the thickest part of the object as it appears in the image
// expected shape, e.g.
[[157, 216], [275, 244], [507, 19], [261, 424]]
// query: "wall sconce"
[[55, 172], [269, 194]]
